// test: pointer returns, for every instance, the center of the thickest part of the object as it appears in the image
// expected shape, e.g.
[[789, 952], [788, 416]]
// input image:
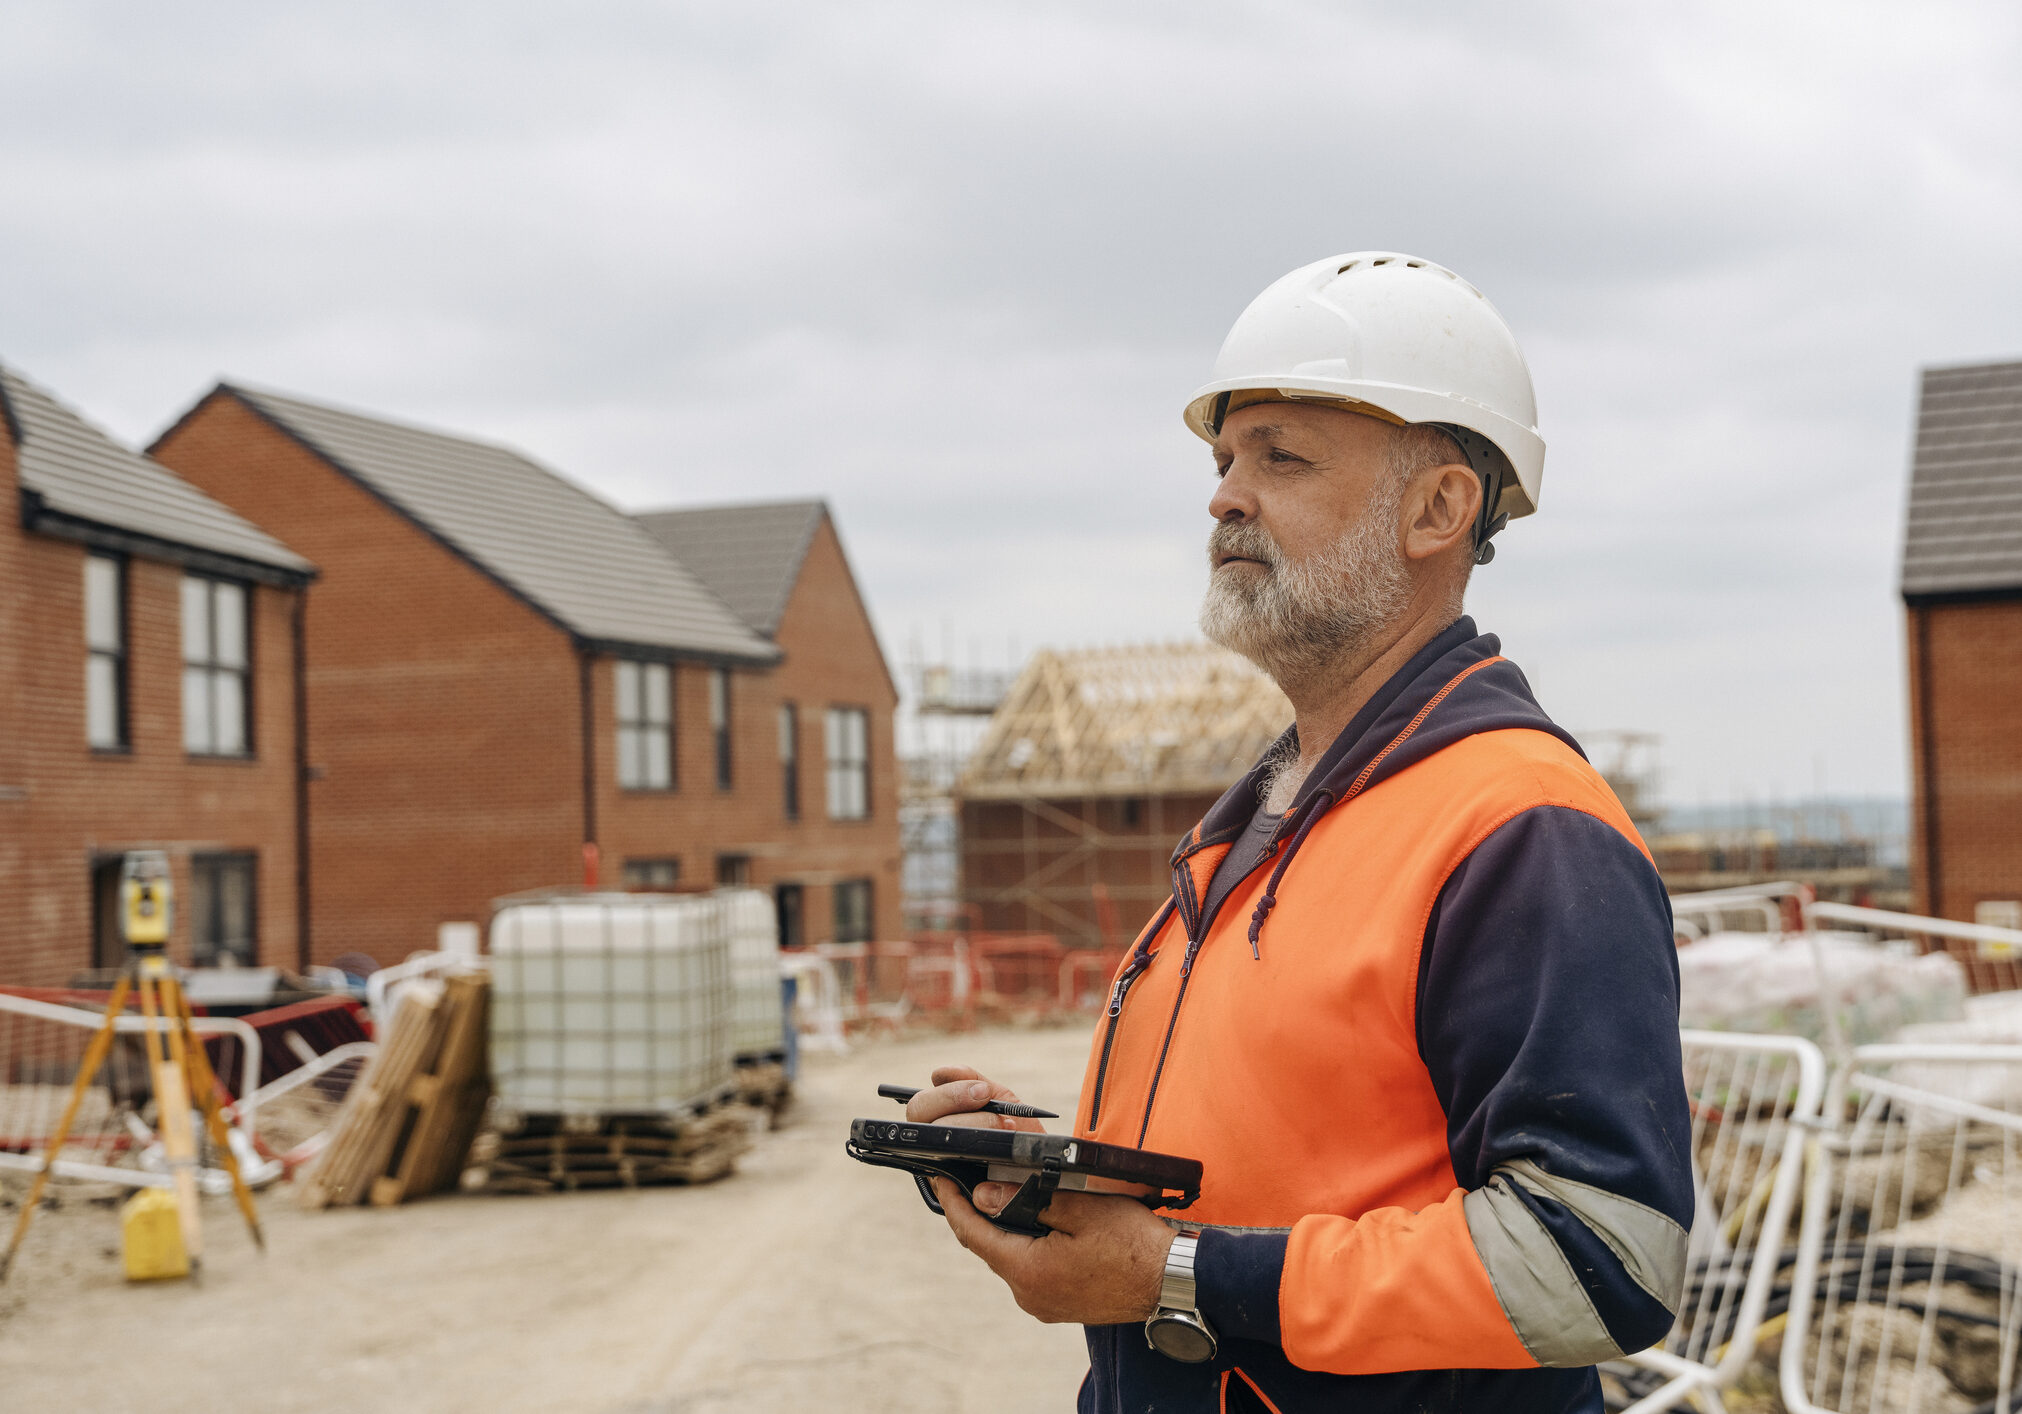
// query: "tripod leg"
[[204, 1086], [87, 1071], [172, 1102]]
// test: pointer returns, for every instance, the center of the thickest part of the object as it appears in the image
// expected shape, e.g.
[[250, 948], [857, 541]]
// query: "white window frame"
[[847, 762], [217, 673], [644, 694], [105, 644]]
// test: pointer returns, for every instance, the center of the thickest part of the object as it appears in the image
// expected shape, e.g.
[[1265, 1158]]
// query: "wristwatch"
[[1177, 1329]]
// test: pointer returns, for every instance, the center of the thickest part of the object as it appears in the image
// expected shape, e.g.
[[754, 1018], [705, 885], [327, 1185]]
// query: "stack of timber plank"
[[620, 1152], [408, 1123]]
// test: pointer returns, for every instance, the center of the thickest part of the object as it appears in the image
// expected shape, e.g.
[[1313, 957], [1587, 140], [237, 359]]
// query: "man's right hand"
[[958, 1096]]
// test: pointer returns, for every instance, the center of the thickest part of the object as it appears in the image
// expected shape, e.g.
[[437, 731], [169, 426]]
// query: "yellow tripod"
[[184, 1073]]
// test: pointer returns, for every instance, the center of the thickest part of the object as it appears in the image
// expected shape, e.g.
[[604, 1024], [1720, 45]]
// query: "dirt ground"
[[803, 1281]]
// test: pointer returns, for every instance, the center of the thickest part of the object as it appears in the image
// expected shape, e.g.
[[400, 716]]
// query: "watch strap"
[[1178, 1290]]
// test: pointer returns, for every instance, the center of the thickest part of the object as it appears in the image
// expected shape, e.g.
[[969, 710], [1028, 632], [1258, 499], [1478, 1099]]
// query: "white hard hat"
[[1399, 338]]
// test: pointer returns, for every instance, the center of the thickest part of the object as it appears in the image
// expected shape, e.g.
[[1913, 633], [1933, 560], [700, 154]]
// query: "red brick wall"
[[832, 659], [62, 804], [14, 832], [1966, 754], [445, 720], [443, 712]]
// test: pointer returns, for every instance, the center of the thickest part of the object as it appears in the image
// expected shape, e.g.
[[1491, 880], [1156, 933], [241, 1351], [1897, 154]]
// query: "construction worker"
[[1413, 1001]]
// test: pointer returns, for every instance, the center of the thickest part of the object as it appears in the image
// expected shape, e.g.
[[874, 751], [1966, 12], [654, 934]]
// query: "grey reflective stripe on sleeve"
[[1547, 1306], [1649, 1245]]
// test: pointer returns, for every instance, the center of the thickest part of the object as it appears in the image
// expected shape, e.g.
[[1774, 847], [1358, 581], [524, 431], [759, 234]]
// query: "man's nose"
[[1232, 499]]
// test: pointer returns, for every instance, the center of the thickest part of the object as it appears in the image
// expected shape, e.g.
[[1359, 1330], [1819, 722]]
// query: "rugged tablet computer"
[[1038, 1163]]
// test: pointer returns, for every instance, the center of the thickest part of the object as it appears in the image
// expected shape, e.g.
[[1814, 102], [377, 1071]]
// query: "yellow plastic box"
[[152, 1235]]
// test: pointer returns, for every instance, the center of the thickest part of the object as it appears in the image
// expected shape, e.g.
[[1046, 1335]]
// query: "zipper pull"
[[1138, 963]]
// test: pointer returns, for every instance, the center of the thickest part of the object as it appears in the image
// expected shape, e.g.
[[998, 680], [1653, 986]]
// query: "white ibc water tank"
[[758, 1024], [611, 1004]]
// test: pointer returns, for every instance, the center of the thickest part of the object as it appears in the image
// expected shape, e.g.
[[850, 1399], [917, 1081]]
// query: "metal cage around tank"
[[612, 1004]]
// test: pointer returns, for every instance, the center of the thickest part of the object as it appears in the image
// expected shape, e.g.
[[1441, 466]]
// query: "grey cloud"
[[958, 267]]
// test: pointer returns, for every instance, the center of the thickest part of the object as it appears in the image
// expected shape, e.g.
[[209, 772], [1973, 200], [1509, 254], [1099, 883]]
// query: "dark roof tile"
[[574, 556], [81, 474], [749, 554], [1964, 530]]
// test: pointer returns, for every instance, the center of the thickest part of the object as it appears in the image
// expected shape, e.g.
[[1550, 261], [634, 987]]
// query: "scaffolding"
[[1094, 764], [944, 713]]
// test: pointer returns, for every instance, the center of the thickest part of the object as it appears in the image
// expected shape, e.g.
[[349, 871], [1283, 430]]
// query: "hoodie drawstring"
[[1315, 808]]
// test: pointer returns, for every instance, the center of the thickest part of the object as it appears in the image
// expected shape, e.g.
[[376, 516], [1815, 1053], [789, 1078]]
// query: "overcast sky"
[[957, 268]]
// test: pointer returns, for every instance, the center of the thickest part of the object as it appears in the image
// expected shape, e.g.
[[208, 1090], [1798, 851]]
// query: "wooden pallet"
[[407, 1123], [763, 1085], [620, 1154], [443, 1107]]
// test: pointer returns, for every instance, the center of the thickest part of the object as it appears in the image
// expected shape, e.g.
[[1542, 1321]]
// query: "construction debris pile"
[[1785, 985], [1857, 1162]]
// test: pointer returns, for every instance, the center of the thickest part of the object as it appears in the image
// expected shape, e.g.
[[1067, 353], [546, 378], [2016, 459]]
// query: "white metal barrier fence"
[[296, 1112], [42, 1045], [1749, 1096], [1904, 1298], [1991, 957]]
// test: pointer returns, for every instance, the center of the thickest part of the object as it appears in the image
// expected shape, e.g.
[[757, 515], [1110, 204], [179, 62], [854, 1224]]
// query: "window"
[[645, 725], [224, 927], [105, 638], [215, 700], [733, 870], [789, 758], [791, 903], [849, 763], [719, 724], [650, 873], [853, 911]]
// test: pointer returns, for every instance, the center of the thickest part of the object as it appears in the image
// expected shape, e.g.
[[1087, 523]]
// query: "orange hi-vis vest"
[[1293, 1073]]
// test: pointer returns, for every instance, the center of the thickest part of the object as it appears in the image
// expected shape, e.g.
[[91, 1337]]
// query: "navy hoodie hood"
[[1456, 686]]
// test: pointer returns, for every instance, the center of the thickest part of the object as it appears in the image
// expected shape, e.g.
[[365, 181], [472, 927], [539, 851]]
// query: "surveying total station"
[[181, 1071]]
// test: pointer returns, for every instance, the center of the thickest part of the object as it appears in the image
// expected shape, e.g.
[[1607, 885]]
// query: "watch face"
[[1178, 1338]]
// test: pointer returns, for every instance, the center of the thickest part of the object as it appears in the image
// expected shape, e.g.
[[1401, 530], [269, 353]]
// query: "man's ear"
[[1440, 508]]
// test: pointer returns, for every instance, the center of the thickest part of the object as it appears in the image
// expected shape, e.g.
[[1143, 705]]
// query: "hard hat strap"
[[1492, 467]]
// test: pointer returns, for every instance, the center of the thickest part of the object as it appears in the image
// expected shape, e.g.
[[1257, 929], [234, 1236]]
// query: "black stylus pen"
[[995, 1107]]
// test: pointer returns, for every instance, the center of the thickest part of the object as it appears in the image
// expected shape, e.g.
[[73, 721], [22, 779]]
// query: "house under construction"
[[1092, 768]]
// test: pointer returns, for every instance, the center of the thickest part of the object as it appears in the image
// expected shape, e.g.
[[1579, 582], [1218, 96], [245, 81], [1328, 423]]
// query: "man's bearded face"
[[1297, 619]]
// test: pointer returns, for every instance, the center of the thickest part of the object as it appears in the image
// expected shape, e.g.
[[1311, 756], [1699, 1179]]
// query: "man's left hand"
[[1101, 1265]]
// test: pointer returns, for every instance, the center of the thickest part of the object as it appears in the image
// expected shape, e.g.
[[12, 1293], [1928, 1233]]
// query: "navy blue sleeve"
[[1548, 1019], [1236, 1277]]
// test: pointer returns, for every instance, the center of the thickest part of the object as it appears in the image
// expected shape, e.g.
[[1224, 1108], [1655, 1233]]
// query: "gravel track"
[[803, 1281]]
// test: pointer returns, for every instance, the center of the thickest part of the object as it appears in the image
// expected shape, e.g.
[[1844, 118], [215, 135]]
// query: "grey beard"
[[1302, 618]]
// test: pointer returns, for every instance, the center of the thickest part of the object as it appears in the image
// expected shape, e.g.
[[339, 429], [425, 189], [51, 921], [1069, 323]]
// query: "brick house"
[[1962, 589], [150, 698], [831, 855], [510, 684]]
